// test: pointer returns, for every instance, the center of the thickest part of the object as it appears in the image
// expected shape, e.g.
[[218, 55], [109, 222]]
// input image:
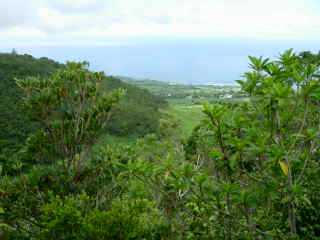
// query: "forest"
[[84, 155]]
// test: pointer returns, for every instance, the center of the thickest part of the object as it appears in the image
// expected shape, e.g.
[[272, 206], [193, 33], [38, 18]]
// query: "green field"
[[187, 116], [186, 93], [185, 101]]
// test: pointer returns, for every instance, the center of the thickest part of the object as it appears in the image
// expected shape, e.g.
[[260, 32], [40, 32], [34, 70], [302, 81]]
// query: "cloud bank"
[[101, 21]]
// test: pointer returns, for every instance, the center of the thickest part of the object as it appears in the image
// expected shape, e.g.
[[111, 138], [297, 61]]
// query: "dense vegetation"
[[248, 171], [15, 125], [137, 114]]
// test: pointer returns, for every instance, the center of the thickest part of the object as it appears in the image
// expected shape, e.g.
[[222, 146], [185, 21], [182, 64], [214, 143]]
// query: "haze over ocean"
[[189, 61]]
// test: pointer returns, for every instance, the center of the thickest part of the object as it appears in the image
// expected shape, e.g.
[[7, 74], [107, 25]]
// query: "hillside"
[[137, 113], [14, 124]]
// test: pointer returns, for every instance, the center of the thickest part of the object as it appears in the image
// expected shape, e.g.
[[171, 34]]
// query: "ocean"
[[188, 61]]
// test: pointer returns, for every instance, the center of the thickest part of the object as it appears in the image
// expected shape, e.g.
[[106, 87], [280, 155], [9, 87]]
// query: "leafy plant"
[[71, 109]]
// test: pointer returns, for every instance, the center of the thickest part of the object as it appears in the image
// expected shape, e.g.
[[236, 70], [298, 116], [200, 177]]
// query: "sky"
[[106, 21], [45, 27]]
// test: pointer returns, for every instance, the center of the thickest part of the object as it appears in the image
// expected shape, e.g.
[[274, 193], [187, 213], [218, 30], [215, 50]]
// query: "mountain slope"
[[14, 124], [137, 114]]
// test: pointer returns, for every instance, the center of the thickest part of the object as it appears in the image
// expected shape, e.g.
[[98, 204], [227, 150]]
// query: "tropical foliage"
[[248, 171]]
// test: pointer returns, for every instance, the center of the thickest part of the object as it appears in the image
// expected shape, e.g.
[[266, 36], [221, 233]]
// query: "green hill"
[[137, 114], [14, 124]]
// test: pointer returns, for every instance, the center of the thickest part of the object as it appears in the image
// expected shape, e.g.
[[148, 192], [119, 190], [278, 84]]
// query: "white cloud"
[[78, 6], [16, 13], [69, 21]]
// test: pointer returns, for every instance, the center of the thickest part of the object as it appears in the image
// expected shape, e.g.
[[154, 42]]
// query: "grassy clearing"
[[188, 117]]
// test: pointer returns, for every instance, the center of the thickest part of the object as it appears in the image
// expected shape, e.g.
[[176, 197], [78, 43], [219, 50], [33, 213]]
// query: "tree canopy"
[[249, 171]]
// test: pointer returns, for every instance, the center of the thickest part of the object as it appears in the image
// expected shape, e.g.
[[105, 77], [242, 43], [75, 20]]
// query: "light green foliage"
[[264, 151], [77, 218], [71, 109]]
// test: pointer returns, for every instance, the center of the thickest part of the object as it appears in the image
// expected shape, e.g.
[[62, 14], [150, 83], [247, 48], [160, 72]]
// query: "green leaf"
[[284, 167]]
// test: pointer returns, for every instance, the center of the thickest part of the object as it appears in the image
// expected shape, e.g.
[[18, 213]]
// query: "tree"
[[71, 108], [265, 150], [14, 52]]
